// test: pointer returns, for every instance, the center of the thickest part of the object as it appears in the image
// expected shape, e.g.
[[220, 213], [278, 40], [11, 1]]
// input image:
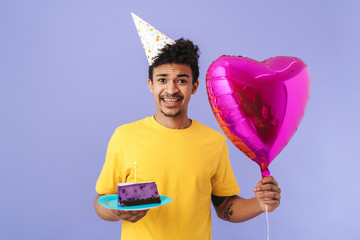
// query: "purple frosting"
[[137, 191]]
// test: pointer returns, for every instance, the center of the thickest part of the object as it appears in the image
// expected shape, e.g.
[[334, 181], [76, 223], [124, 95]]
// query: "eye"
[[182, 81], [161, 80]]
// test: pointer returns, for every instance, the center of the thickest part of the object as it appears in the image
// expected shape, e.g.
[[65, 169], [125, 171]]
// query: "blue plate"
[[110, 201]]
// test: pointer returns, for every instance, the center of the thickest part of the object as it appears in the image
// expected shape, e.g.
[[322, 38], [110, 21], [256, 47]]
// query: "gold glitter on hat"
[[151, 38]]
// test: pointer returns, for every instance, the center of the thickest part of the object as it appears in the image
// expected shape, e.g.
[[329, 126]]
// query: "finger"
[[269, 187], [272, 203], [141, 214], [138, 213], [269, 196], [275, 182], [127, 213], [269, 180], [136, 217], [264, 181], [120, 212], [131, 219], [257, 187], [270, 200], [133, 213]]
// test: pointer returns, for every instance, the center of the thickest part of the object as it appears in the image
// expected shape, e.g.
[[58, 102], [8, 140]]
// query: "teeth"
[[170, 100]]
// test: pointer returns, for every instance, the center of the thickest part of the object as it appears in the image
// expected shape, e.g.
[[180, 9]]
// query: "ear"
[[150, 84], [195, 87]]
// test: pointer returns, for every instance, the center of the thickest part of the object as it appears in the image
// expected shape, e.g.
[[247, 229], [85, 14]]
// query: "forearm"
[[105, 213], [114, 215], [238, 209]]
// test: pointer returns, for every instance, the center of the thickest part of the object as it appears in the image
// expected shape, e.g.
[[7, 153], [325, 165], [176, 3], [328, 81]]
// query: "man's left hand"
[[267, 193]]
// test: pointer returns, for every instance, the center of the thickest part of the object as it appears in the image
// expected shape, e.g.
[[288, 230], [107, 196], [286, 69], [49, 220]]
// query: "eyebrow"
[[183, 75], [161, 75], [179, 75]]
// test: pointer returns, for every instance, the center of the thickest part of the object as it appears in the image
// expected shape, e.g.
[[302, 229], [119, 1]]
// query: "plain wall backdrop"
[[72, 71]]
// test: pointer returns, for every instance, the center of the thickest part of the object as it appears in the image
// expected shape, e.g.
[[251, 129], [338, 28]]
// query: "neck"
[[179, 122]]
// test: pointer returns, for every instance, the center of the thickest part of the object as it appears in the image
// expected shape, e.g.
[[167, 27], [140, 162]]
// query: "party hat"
[[151, 38]]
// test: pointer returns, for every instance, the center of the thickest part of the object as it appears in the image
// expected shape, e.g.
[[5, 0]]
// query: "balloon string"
[[267, 221]]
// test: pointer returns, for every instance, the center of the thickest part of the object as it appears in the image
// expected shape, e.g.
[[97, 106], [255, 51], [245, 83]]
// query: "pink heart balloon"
[[258, 105]]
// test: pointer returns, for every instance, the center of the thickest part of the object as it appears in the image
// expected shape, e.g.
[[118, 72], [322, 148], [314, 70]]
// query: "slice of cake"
[[131, 194]]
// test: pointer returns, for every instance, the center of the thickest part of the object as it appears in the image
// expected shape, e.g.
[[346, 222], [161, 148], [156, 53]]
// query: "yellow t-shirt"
[[188, 165]]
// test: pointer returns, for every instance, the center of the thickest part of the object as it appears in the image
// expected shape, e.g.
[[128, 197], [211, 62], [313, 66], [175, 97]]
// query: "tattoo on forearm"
[[228, 212]]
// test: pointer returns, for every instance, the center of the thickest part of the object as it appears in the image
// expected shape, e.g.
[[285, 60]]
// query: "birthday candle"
[[135, 171]]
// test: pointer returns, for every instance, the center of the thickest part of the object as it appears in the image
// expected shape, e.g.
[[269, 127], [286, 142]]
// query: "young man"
[[188, 161]]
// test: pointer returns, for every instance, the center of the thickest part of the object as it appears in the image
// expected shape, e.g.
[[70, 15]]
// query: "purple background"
[[72, 71]]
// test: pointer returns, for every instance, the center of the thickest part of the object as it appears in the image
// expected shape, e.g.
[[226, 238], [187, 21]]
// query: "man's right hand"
[[114, 215]]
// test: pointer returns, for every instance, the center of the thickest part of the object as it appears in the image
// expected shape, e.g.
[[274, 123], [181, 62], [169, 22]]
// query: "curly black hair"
[[182, 51]]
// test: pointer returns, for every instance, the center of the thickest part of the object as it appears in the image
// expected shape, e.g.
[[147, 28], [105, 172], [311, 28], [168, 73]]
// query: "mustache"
[[171, 96]]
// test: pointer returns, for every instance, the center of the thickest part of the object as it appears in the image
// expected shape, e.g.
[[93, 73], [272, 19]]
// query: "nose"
[[171, 87]]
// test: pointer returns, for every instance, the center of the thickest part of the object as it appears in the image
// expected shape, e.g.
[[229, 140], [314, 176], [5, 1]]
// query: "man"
[[188, 161]]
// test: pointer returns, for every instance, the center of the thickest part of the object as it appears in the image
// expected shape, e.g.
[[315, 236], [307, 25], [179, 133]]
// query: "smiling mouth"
[[171, 98]]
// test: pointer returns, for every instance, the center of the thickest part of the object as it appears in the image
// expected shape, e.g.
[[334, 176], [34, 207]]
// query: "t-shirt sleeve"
[[111, 173], [224, 182]]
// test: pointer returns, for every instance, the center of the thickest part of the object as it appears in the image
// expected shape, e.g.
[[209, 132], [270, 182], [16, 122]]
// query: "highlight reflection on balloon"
[[258, 105]]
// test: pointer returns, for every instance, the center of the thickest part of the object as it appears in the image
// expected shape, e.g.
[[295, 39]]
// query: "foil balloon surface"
[[258, 105]]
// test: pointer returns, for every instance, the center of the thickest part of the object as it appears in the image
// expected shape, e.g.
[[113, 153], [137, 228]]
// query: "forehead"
[[172, 69]]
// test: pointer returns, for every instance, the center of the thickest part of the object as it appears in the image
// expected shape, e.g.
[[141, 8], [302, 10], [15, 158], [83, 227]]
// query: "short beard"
[[171, 115]]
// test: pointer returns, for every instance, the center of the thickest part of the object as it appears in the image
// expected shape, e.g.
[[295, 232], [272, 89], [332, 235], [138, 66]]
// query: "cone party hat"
[[151, 38]]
